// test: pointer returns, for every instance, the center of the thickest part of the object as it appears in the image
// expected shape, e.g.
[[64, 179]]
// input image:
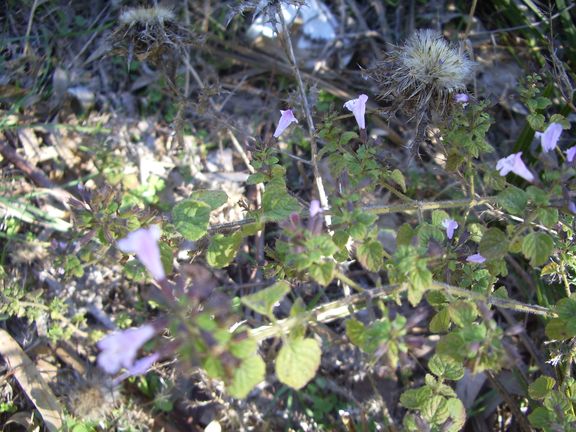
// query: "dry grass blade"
[[31, 382]]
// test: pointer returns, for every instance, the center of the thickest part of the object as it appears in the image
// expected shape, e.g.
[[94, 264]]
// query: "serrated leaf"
[[446, 367], [264, 300], [415, 398], [457, 414], [214, 198], [541, 387], [322, 272], [537, 247], [541, 418], [435, 410], [297, 362], [440, 323], [404, 235], [356, 332], [566, 308], [548, 216], [536, 121], [251, 372], [439, 216], [257, 178], [398, 178], [346, 137], [191, 218], [371, 255], [243, 348], [513, 199], [223, 249], [420, 279], [494, 244], [278, 205], [462, 312]]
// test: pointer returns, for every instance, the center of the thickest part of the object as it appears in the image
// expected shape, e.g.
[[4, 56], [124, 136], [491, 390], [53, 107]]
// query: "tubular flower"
[[286, 119], [119, 349], [140, 367], [550, 137], [144, 243], [570, 153], [515, 164], [462, 98], [450, 225], [358, 108], [476, 258]]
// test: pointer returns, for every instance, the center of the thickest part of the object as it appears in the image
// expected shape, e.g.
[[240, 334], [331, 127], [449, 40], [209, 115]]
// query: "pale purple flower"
[[515, 164], [450, 225], [286, 120], [572, 207], [119, 349], [570, 153], [140, 367], [462, 98], [476, 258], [550, 137], [315, 208], [144, 243], [358, 108]]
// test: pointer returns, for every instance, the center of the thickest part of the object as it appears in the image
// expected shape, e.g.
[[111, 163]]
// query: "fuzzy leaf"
[[541, 387], [251, 372], [191, 218], [537, 247], [264, 300], [494, 244], [371, 255], [297, 362], [446, 367], [356, 332], [222, 249], [399, 179], [440, 323], [513, 200], [435, 410], [322, 272], [214, 198]]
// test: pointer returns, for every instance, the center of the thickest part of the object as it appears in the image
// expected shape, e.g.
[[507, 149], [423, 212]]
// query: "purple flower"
[[315, 208], [570, 153], [476, 258], [450, 225], [462, 98], [358, 108], [286, 119], [119, 349], [572, 207], [144, 243], [550, 137], [515, 164], [140, 367]]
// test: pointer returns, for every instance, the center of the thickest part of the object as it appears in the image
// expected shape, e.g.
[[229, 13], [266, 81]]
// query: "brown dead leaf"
[[32, 382]]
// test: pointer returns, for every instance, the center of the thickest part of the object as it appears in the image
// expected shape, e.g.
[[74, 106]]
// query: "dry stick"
[[342, 308], [517, 414], [29, 28], [313, 146]]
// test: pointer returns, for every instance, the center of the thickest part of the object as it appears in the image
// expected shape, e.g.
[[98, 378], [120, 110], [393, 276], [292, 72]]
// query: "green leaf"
[[513, 199], [494, 244], [297, 362], [457, 414], [257, 178], [440, 323], [439, 216], [243, 348], [446, 367], [371, 255], [536, 121], [223, 249], [566, 308], [548, 216], [356, 332], [214, 198], [404, 235], [346, 137], [191, 218], [540, 388], [264, 300], [435, 410], [420, 279], [166, 256], [415, 398], [278, 205], [252, 371], [322, 272], [462, 312], [399, 179], [537, 247], [541, 418]]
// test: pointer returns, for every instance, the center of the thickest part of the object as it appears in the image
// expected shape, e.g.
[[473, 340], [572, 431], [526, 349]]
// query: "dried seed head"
[[422, 75], [146, 15]]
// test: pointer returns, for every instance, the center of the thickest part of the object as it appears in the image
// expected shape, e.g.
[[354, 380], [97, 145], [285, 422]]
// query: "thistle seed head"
[[146, 15], [422, 75]]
